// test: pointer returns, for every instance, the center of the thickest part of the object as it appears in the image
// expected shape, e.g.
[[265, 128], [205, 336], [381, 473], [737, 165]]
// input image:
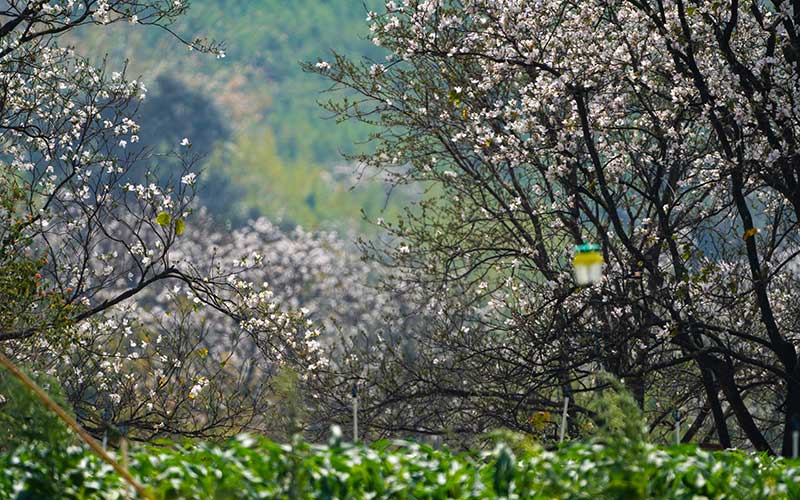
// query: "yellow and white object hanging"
[[588, 264]]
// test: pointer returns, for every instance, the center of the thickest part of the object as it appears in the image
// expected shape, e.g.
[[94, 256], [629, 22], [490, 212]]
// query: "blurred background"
[[268, 148]]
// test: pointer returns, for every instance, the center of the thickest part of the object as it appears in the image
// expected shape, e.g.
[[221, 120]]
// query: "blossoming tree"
[[169, 363], [667, 132], [86, 254]]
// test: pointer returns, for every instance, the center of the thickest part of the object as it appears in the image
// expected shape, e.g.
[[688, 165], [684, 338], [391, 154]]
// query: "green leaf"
[[503, 471], [163, 219], [179, 227]]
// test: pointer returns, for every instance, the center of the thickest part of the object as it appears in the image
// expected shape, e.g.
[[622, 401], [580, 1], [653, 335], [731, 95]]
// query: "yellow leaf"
[[539, 420], [163, 219], [749, 233]]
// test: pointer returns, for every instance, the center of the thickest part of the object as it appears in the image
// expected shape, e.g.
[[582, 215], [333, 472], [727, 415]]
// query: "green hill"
[[280, 154]]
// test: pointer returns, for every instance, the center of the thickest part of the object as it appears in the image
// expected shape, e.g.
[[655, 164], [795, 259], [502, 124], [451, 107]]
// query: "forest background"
[[269, 148]]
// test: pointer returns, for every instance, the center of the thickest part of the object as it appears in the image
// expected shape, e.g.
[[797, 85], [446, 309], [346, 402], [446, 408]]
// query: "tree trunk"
[[792, 414], [712, 393], [728, 385]]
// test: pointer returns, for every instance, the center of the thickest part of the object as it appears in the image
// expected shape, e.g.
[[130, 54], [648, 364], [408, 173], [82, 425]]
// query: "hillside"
[[270, 148]]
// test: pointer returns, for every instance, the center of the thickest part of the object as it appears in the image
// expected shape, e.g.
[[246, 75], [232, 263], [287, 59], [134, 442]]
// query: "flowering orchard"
[[663, 131], [172, 363], [666, 132], [109, 283]]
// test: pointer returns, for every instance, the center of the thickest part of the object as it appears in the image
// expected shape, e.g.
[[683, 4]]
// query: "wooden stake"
[[564, 420], [123, 455], [355, 413]]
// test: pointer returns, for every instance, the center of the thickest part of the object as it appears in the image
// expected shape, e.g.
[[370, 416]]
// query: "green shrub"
[[255, 468], [615, 414], [23, 418]]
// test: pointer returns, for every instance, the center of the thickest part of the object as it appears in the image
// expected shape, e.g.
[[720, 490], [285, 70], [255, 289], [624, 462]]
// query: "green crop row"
[[247, 467]]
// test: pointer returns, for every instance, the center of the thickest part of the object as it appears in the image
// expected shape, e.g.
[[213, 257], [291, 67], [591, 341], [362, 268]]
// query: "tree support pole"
[[564, 420], [355, 413]]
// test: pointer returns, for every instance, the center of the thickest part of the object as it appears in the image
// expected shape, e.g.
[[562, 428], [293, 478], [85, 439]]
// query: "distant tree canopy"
[[256, 96], [173, 110], [667, 132], [259, 83], [292, 193]]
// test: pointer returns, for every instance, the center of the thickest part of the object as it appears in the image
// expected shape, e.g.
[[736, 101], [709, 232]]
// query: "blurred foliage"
[[296, 193], [271, 38], [288, 397], [24, 419], [255, 468], [518, 443], [259, 92], [614, 412], [173, 111]]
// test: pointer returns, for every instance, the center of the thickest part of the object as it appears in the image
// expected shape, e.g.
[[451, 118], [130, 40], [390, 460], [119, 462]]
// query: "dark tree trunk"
[[712, 394], [696, 425], [636, 385], [732, 394], [792, 414]]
